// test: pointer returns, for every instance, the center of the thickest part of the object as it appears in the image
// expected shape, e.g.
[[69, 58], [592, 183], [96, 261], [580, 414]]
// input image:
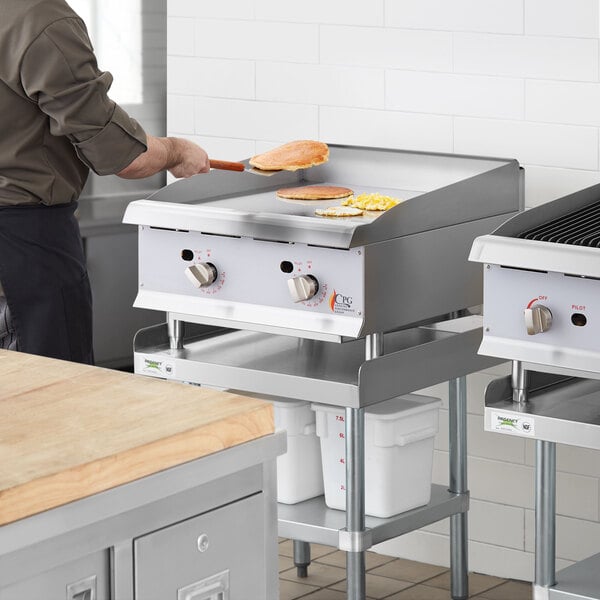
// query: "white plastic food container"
[[299, 470], [399, 436]]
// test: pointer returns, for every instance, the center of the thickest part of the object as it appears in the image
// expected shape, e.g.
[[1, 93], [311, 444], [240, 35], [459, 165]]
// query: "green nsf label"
[[157, 367], [513, 423]]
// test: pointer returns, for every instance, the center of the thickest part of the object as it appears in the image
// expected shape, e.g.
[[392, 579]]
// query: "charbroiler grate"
[[579, 228]]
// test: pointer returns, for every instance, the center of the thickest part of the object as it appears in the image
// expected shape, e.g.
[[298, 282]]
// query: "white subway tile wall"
[[512, 78]]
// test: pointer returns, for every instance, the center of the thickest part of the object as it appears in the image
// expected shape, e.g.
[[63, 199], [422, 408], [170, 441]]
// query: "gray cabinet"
[[204, 530], [214, 556]]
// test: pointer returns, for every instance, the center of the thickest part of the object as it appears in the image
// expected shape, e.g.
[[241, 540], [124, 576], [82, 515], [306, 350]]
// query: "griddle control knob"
[[303, 287], [538, 319], [201, 274]]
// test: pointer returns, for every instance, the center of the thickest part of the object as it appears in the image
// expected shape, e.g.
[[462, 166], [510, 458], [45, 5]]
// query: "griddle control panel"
[[259, 274]]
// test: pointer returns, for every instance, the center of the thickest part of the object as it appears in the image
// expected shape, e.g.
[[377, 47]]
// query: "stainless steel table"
[[354, 375]]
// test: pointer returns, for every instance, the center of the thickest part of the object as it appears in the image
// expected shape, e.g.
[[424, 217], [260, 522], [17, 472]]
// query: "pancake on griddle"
[[292, 156], [315, 192], [339, 211]]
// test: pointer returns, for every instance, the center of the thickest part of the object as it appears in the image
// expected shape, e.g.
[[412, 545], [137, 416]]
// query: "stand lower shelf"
[[580, 581], [312, 521]]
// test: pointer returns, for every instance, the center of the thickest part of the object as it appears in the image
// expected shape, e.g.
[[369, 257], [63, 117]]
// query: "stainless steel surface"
[[313, 521], [580, 581], [335, 374], [459, 538], [545, 513]]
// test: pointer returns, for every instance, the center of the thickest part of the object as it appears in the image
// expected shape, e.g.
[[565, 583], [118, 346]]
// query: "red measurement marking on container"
[[343, 461], [343, 487], [339, 417], [341, 435]]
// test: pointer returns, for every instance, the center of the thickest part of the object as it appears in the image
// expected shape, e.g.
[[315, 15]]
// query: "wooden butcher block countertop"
[[68, 431]]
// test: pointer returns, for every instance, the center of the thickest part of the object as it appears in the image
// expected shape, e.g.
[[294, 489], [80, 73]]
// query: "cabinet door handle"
[[84, 589], [215, 587]]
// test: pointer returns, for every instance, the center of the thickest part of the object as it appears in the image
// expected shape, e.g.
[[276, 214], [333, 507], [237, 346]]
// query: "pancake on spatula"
[[315, 192], [292, 156]]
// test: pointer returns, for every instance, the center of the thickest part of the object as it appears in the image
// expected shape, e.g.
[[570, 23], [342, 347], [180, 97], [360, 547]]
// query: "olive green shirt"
[[56, 120]]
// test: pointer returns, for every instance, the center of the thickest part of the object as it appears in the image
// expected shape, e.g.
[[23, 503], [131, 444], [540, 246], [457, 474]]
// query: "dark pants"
[[43, 273]]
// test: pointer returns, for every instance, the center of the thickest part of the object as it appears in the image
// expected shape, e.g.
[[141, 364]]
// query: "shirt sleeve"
[[59, 72]]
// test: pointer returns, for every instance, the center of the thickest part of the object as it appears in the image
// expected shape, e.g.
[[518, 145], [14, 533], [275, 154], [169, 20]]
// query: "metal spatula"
[[225, 165]]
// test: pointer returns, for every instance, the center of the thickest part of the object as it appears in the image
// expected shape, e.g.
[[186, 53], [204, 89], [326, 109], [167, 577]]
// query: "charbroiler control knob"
[[538, 319], [202, 274], [303, 287]]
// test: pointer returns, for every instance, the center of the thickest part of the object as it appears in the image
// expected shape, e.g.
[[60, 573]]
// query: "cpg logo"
[[340, 303]]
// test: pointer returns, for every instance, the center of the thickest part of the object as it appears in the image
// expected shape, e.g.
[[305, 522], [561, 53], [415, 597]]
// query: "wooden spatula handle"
[[225, 165]]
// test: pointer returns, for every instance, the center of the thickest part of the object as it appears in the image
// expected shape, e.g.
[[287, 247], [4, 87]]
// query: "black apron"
[[43, 273]]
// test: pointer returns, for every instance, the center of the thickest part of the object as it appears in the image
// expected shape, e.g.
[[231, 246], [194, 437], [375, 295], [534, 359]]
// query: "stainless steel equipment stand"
[[352, 375], [550, 408]]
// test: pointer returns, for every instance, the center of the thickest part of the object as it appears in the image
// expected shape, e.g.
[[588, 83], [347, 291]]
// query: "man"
[[57, 123]]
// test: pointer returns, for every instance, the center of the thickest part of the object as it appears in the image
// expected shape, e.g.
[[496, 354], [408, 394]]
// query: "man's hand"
[[180, 157], [189, 159]]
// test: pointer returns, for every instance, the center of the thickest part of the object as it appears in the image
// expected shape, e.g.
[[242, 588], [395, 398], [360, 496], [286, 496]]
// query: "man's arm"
[[180, 157]]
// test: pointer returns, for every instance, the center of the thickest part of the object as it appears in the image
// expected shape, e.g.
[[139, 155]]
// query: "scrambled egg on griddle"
[[374, 201]]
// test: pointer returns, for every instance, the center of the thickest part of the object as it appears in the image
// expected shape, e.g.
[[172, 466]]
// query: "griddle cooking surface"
[[269, 202]]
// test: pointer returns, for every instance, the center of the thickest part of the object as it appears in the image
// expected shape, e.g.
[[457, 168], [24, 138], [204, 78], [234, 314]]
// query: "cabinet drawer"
[[87, 578], [219, 555]]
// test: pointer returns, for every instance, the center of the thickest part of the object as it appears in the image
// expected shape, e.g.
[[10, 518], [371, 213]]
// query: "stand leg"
[[301, 557], [459, 556], [519, 379], [355, 499], [176, 332], [545, 517]]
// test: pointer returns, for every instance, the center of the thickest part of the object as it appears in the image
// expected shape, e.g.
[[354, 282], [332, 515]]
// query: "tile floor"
[[388, 578]]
